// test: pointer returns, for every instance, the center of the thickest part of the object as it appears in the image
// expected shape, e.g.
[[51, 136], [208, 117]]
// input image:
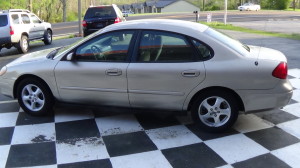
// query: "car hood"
[[266, 53], [32, 57]]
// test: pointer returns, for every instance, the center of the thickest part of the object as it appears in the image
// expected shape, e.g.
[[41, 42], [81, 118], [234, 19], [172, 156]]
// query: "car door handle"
[[190, 73], [113, 72]]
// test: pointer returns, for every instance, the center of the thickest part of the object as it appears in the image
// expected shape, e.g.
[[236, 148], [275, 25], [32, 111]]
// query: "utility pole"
[[79, 18], [225, 15]]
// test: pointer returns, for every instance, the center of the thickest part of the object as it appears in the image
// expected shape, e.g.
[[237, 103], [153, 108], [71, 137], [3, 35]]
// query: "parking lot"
[[84, 137]]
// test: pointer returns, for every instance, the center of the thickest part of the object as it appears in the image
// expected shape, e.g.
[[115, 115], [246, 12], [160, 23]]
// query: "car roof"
[[180, 26]]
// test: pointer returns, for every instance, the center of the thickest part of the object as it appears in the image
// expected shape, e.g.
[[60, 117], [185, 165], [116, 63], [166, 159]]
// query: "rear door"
[[165, 71], [28, 26]]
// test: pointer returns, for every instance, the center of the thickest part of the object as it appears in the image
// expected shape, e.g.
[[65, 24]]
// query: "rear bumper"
[[87, 32], [4, 40], [260, 100]]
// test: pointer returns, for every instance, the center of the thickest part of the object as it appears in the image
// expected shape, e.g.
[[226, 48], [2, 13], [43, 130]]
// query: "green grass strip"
[[219, 25]]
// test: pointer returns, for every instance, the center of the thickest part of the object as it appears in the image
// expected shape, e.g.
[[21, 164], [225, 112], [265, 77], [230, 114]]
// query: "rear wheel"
[[23, 44], [215, 111], [35, 97], [48, 37]]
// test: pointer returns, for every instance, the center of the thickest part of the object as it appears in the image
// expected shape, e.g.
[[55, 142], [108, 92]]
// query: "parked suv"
[[101, 16], [18, 27]]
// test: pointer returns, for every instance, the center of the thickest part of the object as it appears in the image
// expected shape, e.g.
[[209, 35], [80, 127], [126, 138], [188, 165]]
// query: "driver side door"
[[97, 72]]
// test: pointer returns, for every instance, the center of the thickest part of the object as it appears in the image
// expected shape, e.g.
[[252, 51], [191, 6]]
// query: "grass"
[[219, 25]]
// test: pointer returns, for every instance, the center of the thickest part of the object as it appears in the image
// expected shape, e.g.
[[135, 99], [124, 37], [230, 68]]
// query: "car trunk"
[[4, 28], [99, 23]]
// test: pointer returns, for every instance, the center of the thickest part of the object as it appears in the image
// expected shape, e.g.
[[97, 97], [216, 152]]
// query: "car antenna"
[[261, 44]]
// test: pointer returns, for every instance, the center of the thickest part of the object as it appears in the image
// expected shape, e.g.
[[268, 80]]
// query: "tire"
[[35, 97], [48, 37], [23, 44], [212, 116]]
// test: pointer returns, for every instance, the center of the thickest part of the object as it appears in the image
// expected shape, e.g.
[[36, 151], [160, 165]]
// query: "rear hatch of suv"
[[99, 17], [4, 29]]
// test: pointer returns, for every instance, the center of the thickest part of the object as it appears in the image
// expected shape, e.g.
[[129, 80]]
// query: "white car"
[[249, 7], [18, 27]]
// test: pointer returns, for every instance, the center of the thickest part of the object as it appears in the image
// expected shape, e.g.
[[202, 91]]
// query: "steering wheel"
[[97, 53]]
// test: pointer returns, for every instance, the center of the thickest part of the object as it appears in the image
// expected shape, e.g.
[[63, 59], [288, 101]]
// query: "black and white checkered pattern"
[[78, 137]]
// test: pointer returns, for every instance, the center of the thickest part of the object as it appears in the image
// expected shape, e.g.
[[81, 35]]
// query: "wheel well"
[[24, 77], [24, 34], [230, 91]]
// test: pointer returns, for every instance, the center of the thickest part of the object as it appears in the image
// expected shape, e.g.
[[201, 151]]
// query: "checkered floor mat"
[[78, 137]]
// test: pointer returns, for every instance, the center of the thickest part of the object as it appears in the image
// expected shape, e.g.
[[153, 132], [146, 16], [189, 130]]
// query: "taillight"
[[280, 71], [84, 23], [11, 30], [117, 20]]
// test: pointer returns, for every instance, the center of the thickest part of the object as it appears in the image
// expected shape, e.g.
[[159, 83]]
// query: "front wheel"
[[48, 37], [34, 97], [215, 111]]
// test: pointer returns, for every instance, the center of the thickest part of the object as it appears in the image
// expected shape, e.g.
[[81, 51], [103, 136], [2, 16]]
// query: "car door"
[[27, 26], [165, 71], [38, 28], [97, 73]]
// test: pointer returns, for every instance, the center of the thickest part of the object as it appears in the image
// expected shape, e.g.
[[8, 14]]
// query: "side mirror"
[[70, 56]]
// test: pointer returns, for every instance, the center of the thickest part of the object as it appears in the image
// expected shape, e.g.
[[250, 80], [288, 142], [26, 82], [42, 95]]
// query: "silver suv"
[[18, 27]]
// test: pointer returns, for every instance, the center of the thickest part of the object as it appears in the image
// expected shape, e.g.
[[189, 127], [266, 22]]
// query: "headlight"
[[3, 70]]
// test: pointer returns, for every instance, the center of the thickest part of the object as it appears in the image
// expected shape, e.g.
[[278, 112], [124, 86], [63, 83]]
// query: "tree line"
[[66, 10]]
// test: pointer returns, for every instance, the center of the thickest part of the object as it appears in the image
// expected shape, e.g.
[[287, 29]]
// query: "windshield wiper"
[[53, 53]]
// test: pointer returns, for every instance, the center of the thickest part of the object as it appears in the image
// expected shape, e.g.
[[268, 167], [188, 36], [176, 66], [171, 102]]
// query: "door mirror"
[[70, 56]]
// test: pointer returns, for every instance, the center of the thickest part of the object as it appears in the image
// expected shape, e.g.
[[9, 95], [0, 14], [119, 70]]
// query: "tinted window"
[[3, 20], [158, 46], [15, 19], [112, 47], [96, 12], [35, 19], [25, 19], [204, 51]]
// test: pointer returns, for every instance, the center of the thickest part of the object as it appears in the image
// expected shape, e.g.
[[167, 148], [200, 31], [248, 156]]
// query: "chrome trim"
[[95, 89], [156, 92]]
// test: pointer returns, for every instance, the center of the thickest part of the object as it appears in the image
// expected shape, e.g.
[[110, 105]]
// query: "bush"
[[275, 4]]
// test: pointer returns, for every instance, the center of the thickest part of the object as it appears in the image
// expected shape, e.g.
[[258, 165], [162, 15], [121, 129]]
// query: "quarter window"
[[156, 46], [25, 19], [112, 47], [15, 18], [204, 51]]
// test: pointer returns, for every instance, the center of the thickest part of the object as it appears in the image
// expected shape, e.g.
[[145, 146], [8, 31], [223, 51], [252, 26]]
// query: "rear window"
[[3, 20], [96, 12]]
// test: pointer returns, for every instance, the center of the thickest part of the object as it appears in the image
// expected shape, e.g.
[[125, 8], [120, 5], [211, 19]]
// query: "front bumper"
[[6, 87]]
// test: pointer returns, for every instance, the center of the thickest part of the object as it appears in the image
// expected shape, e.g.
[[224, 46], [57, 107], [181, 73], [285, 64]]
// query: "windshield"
[[65, 48], [228, 41], [100, 12]]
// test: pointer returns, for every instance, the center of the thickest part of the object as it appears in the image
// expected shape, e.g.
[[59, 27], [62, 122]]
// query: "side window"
[[25, 19], [34, 19], [156, 46], [111, 47], [204, 51], [15, 19]]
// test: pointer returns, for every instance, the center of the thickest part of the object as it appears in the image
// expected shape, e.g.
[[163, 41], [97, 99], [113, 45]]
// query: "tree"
[[64, 5]]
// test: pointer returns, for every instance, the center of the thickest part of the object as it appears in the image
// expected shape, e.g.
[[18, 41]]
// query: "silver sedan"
[[154, 64]]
